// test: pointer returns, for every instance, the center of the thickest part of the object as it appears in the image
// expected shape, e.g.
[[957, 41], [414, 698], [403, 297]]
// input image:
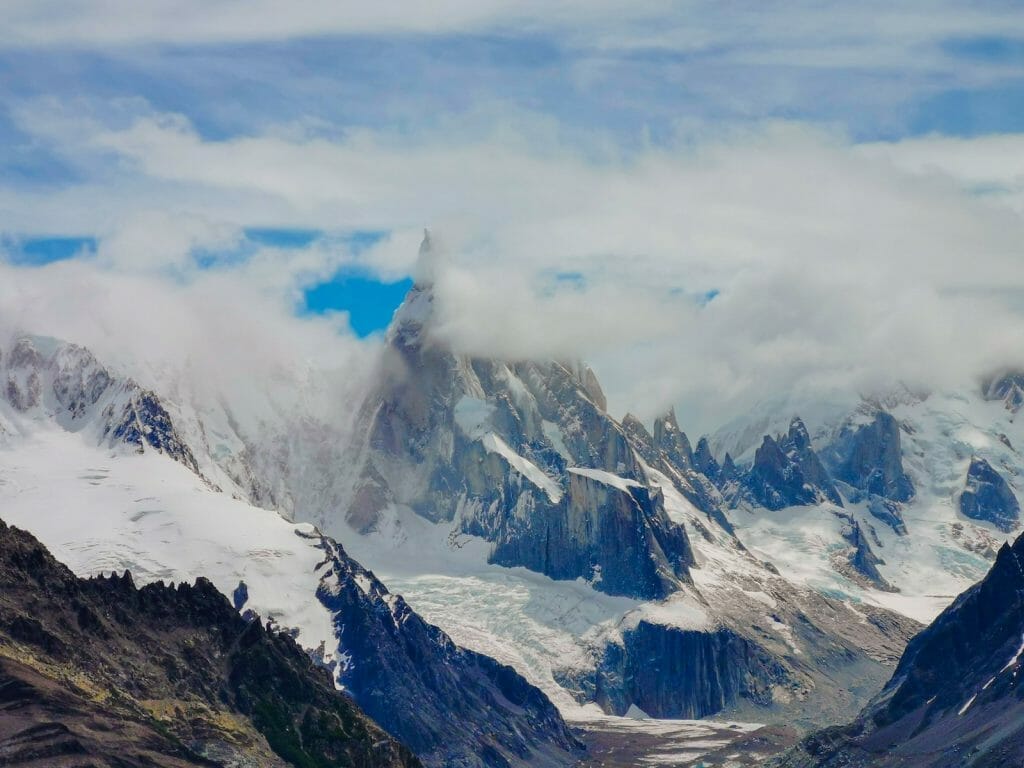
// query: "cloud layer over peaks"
[[713, 269]]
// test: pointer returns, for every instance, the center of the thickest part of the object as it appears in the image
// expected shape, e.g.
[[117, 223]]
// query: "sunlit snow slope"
[[942, 552], [103, 510]]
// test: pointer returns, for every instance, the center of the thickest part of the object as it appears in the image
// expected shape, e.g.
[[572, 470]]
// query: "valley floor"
[[621, 742]]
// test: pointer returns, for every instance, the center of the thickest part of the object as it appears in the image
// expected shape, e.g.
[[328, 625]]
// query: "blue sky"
[[74, 92]]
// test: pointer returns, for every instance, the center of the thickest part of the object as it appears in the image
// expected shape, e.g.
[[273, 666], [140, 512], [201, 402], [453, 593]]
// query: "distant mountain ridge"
[[785, 571]]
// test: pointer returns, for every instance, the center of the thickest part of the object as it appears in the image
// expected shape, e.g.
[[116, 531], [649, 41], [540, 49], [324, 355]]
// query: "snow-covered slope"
[[930, 551], [102, 509]]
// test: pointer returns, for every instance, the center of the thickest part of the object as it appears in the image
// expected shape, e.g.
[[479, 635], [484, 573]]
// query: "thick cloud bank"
[[713, 270]]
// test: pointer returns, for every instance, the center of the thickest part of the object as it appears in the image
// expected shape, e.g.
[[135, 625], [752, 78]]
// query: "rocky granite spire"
[[521, 453], [787, 472], [987, 496], [668, 437]]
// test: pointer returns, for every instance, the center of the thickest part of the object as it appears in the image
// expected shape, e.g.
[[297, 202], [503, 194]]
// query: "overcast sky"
[[714, 203]]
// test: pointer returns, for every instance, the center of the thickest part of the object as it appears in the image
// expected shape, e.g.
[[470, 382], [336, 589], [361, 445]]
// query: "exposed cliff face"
[[522, 454], [625, 540], [697, 673], [787, 472], [453, 707], [98, 672], [803, 660], [705, 462], [1008, 387], [860, 557], [987, 496], [869, 458], [955, 698]]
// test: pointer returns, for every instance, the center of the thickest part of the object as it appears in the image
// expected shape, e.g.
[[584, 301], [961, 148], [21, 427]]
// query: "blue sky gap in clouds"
[[369, 300], [37, 251]]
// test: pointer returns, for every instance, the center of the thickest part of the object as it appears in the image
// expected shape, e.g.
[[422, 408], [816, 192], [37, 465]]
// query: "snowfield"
[[103, 510], [943, 552]]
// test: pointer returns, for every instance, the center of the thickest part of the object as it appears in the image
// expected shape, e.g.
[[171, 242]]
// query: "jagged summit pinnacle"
[[417, 309], [425, 271]]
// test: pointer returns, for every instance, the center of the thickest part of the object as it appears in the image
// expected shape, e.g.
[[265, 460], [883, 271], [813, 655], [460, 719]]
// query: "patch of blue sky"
[[357, 240], [707, 297], [408, 83], [991, 49], [275, 237], [369, 301], [970, 113], [39, 251]]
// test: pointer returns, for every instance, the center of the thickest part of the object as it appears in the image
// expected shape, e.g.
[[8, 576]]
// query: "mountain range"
[[557, 565]]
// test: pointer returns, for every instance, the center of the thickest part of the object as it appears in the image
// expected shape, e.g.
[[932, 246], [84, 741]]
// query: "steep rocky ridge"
[[99, 672], [47, 378], [521, 454], [452, 706], [955, 698]]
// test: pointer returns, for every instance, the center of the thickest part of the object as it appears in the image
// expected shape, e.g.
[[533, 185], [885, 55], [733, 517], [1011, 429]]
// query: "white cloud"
[[991, 165], [837, 265], [145, 309], [162, 241]]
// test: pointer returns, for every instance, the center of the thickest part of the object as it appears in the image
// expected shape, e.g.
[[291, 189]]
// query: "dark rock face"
[[797, 446], [730, 472], [813, 660], [987, 496], [453, 707], [490, 445], [144, 421], [773, 482], [869, 458], [626, 541], [697, 673], [671, 440], [955, 694], [704, 461], [787, 472], [1008, 387], [107, 674], [861, 558]]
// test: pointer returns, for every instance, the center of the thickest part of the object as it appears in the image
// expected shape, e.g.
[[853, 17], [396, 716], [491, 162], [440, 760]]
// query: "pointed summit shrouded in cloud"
[[496, 447], [428, 261]]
